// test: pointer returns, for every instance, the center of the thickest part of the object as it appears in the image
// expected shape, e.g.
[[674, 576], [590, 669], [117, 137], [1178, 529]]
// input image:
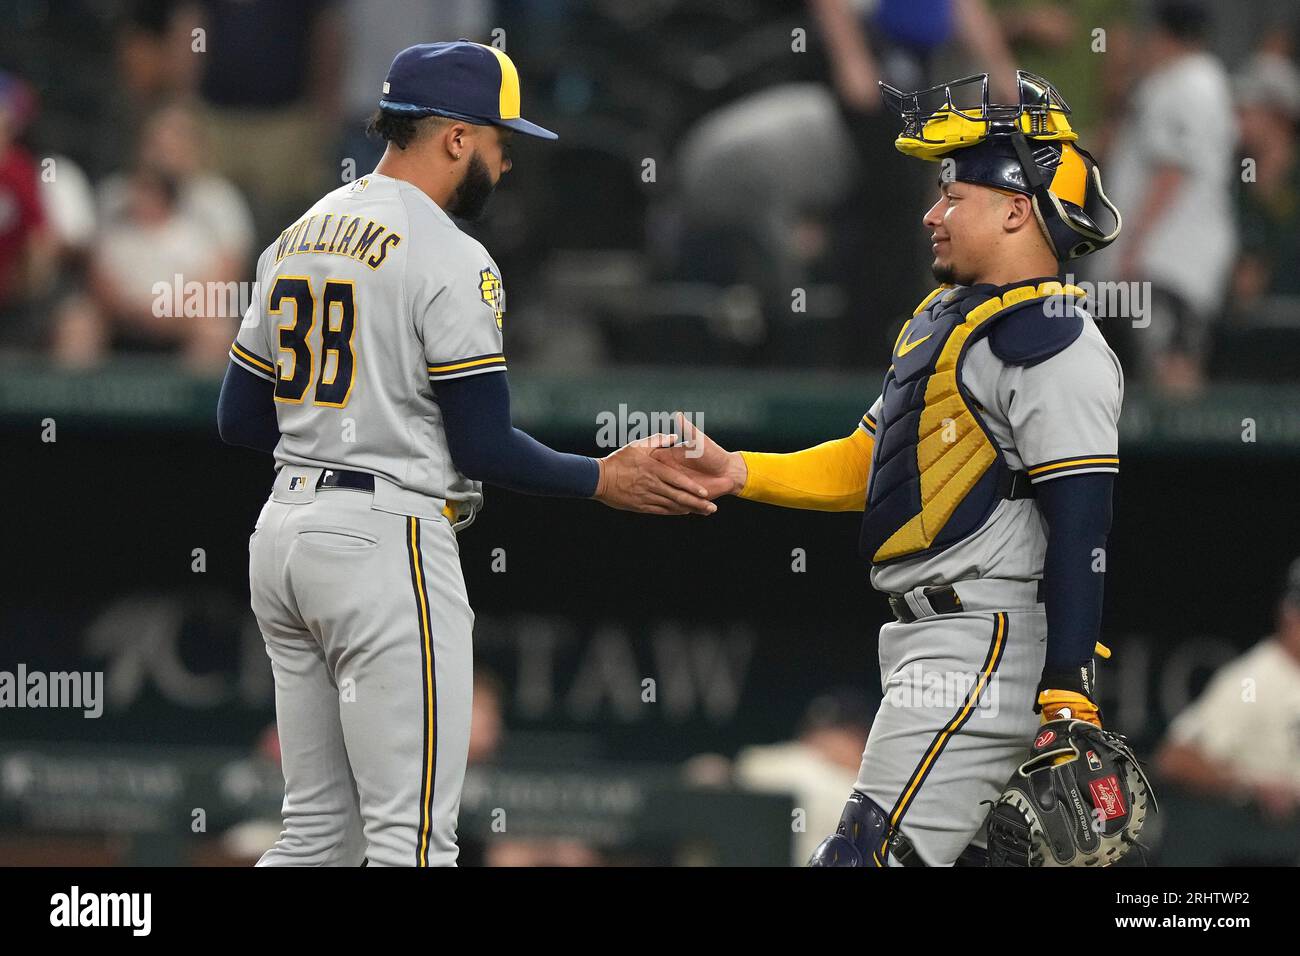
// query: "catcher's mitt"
[[1079, 800]]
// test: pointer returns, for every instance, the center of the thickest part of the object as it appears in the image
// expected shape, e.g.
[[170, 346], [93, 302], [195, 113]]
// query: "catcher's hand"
[[1080, 799], [1067, 705], [718, 471], [1067, 695]]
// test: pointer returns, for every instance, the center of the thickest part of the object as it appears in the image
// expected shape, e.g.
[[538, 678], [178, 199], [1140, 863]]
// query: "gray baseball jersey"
[[364, 303], [962, 685], [373, 295], [1059, 417]]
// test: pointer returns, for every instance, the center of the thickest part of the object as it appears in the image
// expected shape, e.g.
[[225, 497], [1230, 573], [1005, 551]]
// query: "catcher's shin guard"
[[858, 838]]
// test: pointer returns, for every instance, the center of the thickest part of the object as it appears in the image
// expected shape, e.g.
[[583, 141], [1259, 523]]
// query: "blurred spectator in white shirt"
[[69, 201], [818, 769], [1172, 173], [173, 143], [1241, 738], [150, 247]]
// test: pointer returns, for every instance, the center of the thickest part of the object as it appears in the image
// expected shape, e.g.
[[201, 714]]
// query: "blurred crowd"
[[149, 145]]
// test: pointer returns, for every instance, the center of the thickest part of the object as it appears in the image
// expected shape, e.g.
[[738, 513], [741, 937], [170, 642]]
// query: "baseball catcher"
[[984, 471]]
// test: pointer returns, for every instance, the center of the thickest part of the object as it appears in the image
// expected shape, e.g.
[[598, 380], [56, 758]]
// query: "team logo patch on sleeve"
[[493, 295]]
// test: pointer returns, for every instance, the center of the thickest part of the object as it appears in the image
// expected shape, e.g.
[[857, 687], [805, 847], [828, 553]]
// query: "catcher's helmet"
[[1027, 148]]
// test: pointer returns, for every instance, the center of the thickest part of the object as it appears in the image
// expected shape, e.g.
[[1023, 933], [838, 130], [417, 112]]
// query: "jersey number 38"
[[294, 372]]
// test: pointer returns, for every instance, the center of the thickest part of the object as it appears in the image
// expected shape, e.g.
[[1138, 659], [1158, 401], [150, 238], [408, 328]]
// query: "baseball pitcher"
[[372, 366]]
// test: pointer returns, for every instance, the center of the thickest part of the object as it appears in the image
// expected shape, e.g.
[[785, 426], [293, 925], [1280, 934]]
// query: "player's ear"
[[455, 139], [1017, 211]]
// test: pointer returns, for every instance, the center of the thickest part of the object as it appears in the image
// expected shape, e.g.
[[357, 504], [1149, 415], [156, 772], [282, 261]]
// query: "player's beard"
[[945, 273], [475, 189]]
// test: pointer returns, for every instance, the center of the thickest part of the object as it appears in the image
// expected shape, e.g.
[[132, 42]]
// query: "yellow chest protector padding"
[[933, 479]]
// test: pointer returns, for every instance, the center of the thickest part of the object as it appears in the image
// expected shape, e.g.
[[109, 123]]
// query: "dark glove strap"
[[1078, 680]]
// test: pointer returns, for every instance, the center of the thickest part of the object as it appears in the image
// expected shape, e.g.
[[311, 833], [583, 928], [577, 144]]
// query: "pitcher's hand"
[[633, 479]]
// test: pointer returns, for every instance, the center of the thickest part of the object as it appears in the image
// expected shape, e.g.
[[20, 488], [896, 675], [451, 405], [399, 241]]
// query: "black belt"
[[942, 598], [356, 480], [360, 481]]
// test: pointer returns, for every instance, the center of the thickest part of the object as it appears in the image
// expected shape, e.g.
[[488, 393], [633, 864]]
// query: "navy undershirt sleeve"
[[246, 410], [486, 447], [1078, 513]]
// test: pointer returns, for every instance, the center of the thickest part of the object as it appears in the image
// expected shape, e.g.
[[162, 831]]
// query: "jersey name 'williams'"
[[338, 235]]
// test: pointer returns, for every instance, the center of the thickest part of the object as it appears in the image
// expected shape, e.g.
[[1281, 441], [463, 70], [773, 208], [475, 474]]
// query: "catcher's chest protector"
[[933, 475]]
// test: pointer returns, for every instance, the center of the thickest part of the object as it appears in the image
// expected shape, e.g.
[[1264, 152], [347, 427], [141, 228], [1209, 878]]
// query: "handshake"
[[670, 474]]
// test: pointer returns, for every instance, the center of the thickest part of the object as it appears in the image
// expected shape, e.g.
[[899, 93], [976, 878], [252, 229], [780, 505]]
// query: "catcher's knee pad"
[[857, 840]]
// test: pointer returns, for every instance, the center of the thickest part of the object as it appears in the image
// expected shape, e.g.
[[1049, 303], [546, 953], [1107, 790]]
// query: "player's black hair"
[[397, 129], [391, 128]]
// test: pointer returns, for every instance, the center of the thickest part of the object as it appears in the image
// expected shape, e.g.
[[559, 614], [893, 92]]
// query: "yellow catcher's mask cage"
[[1028, 147], [958, 114]]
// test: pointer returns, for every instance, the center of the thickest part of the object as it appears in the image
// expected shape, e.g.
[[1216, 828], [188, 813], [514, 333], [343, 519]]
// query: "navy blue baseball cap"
[[460, 80]]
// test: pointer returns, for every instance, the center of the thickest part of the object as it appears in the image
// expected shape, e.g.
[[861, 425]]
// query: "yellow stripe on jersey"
[[467, 363], [252, 359], [1105, 460]]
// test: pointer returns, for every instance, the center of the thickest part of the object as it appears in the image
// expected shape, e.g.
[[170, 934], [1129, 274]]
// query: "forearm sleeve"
[[831, 476], [486, 447], [246, 410], [1078, 513]]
